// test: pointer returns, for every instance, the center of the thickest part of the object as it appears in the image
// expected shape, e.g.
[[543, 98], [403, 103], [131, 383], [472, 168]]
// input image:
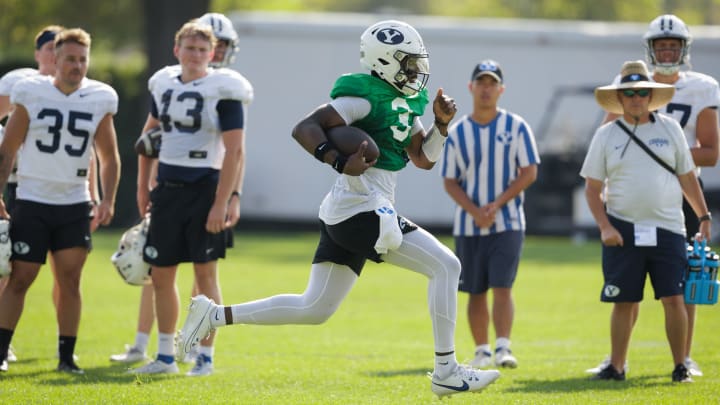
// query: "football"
[[347, 140], [148, 144]]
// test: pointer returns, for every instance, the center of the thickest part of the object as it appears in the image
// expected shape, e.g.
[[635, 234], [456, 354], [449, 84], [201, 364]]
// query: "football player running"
[[694, 106], [201, 113], [358, 221], [226, 49], [56, 122]]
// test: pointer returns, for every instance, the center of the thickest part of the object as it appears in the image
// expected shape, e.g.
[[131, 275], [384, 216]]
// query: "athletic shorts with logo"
[[352, 241], [177, 225], [36, 228], [625, 267]]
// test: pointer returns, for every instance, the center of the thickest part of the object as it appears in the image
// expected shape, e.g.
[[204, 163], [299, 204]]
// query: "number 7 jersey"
[[55, 155], [191, 133]]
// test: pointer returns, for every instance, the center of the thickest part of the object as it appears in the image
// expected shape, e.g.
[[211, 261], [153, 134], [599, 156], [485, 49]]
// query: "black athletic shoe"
[[69, 367], [609, 373], [681, 374]]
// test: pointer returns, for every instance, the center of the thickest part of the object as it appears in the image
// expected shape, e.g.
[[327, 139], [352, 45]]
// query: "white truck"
[[550, 69]]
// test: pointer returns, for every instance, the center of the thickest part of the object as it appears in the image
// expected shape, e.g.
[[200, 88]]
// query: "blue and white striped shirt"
[[484, 159]]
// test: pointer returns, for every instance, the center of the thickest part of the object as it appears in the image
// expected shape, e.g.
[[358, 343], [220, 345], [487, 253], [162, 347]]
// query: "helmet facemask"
[[413, 74]]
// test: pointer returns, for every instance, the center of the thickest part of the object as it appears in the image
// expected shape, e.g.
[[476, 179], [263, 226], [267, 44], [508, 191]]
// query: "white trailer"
[[550, 68]]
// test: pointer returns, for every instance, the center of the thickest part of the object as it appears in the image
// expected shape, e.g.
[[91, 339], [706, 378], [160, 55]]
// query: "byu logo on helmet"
[[390, 36]]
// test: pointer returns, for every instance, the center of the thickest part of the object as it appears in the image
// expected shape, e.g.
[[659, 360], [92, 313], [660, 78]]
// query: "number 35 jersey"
[[188, 114], [54, 158]]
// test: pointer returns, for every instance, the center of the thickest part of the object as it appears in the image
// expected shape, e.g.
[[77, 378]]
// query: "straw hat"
[[633, 75]]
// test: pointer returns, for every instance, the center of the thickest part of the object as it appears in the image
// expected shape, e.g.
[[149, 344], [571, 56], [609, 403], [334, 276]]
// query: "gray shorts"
[[488, 261]]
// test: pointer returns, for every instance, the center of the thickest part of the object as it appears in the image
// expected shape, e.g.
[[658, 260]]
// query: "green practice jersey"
[[391, 115]]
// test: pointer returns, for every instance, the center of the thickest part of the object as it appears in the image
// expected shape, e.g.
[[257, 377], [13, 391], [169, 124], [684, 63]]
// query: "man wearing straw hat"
[[641, 165]]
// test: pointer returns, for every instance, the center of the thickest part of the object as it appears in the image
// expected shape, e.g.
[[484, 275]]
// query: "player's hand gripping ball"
[[148, 144], [347, 139]]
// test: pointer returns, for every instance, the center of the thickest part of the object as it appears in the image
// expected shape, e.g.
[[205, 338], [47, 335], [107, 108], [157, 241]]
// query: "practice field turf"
[[376, 349]]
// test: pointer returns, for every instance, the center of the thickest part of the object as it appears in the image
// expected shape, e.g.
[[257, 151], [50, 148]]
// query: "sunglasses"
[[640, 92]]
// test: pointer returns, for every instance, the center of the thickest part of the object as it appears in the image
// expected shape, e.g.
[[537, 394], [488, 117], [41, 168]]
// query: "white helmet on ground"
[[5, 248], [668, 26], [395, 52], [223, 29], [128, 259]]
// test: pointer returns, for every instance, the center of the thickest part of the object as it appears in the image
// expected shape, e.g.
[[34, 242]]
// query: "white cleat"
[[482, 360], [603, 364], [191, 357], [156, 367], [197, 325], [11, 357], [203, 366], [132, 355], [690, 364], [504, 358], [463, 379]]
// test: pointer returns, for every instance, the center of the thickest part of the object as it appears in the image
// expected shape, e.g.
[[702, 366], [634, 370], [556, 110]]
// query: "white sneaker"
[[463, 379], [603, 364], [4, 366], [191, 356], [690, 364], [156, 367], [132, 355], [11, 357], [197, 325], [481, 360], [203, 366], [504, 358]]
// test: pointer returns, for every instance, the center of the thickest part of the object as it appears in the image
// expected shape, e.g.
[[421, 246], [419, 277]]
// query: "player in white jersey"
[[490, 159], [201, 113], [57, 121], [694, 106], [45, 58], [225, 50]]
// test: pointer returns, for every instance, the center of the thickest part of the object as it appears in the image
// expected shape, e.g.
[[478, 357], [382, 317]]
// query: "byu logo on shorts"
[[21, 248], [611, 291], [390, 36], [151, 252]]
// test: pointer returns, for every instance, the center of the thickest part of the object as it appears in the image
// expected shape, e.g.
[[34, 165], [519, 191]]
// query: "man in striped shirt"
[[490, 159]]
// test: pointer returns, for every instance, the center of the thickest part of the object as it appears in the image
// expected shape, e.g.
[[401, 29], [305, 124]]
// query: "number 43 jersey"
[[191, 133], [54, 158]]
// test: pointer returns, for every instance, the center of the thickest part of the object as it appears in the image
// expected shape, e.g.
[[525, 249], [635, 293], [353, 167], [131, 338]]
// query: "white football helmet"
[[223, 29], [394, 51], [668, 26], [5, 247], [128, 259]]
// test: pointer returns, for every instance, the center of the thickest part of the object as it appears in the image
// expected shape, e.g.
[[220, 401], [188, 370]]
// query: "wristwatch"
[[706, 217]]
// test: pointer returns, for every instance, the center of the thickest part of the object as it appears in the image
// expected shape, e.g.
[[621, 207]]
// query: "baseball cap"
[[487, 67]]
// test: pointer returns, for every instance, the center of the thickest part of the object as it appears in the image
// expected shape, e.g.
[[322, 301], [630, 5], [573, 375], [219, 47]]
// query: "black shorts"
[[352, 241], [489, 261], [36, 228], [177, 225], [625, 267]]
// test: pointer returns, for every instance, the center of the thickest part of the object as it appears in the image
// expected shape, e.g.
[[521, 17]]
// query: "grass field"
[[375, 350]]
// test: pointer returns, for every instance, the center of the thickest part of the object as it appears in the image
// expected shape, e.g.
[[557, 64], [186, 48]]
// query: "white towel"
[[390, 236]]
